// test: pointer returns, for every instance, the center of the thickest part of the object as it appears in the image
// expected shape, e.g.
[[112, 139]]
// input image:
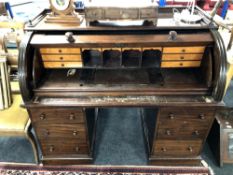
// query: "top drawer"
[[60, 51], [196, 49]]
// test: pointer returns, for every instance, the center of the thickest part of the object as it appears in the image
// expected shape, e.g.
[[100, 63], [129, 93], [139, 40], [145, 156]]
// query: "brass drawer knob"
[[51, 148], [181, 64], [163, 149], [196, 133], [183, 50], [42, 116], [61, 58], [60, 51], [190, 149], [202, 116], [75, 133], [72, 116], [77, 149], [182, 57], [168, 132], [46, 132], [171, 116]]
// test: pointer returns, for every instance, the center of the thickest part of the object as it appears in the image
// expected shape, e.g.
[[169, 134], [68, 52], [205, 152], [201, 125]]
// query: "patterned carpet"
[[100, 170]]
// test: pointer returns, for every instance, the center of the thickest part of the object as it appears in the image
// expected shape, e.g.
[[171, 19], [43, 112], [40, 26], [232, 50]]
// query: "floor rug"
[[101, 170]]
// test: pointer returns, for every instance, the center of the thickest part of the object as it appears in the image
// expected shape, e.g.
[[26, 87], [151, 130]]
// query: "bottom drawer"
[[63, 147], [177, 148]]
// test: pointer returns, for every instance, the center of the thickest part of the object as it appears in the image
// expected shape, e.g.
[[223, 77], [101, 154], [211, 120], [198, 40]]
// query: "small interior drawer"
[[179, 64], [63, 64], [177, 148], [62, 58], [60, 51], [196, 49], [181, 57]]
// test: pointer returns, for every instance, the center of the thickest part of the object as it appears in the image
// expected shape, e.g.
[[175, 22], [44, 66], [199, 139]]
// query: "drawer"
[[179, 64], [201, 113], [63, 64], [71, 58], [177, 148], [72, 131], [180, 57], [47, 116], [191, 49], [94, 13], [60, 51], [182, 132], [116, 13], [148, 13], [63, 147]]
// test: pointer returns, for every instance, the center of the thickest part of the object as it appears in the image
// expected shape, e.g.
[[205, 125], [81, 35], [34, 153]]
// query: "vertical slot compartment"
[[151, 58], [131, 58], [111, 58], [92, 58]]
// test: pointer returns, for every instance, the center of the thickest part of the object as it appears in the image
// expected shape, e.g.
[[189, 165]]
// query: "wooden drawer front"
[[182, 132], [60, 51], [72, 131], [63, 147], [177, 64], [181, 57], [190, 49], [93, 13], [182, 113], [177, 148], [115, 13], [62, 58], [148, 13], [63, 64], [47, 116]]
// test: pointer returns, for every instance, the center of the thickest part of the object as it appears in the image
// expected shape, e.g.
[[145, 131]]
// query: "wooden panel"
[[63, 147], [90, 48], [131, 48], [197, 49], [152, 48], [104, 49], [62, 58], [181, 57], [53, 131], [177, 148], [60, 50], [46, 116], [63, 64], [177, 64]]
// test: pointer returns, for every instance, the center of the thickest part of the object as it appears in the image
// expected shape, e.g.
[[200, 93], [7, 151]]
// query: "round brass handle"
[[196, 133], [46, 132], [61, 58], [75, 133], [164, 149], [51, 148], [60, 51], [171, 116], [72, 116], [190, 149], [62, 65], [181, 64], [77, 149], [202, 116], [183, 50], [42, 116], [181, 57], [168, 132]]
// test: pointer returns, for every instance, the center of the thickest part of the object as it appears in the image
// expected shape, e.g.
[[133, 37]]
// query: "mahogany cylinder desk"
[[175, 74]]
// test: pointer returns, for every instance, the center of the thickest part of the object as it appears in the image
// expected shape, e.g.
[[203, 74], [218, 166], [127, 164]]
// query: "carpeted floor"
[[119, 141]]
